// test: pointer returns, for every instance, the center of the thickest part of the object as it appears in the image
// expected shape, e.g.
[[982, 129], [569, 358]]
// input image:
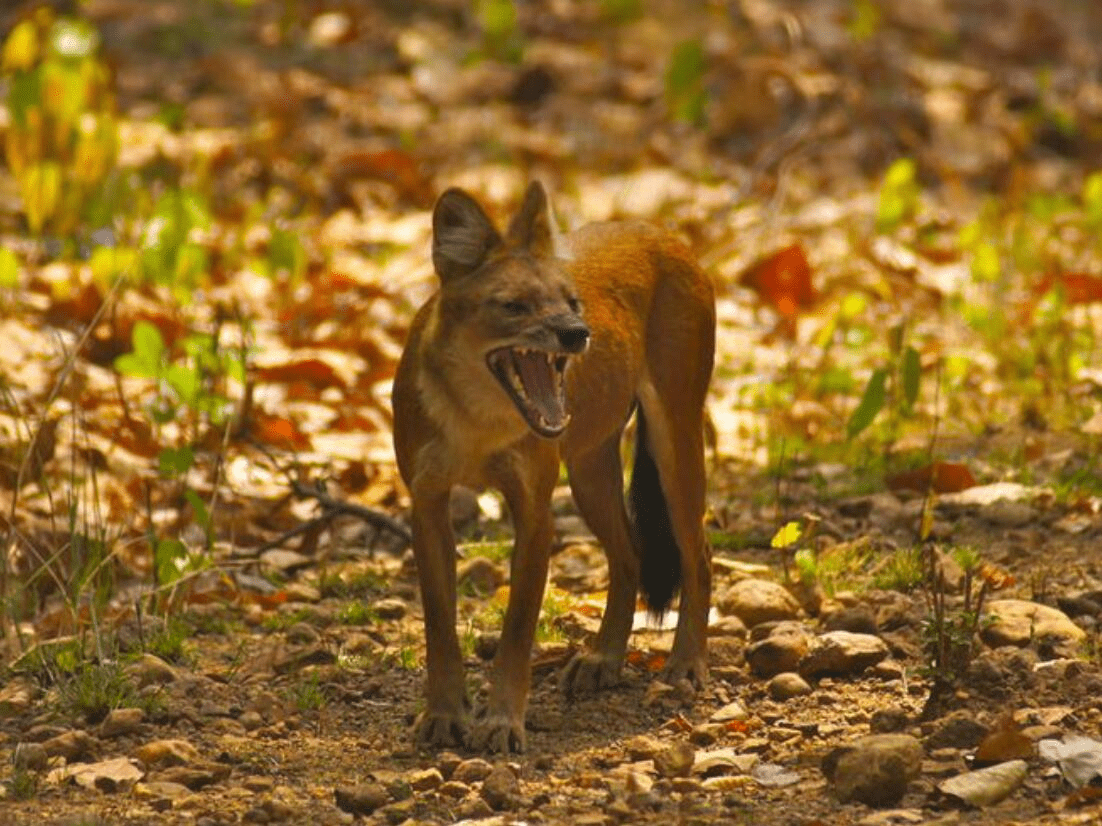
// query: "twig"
[[335, 507]]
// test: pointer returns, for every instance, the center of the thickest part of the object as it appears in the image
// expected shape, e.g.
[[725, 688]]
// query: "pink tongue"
[[539, 382]]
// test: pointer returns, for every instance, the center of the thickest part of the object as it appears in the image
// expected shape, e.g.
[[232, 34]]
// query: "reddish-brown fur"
[[650, 312]]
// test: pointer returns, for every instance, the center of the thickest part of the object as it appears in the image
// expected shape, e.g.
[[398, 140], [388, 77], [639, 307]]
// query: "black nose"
[[573, 336]]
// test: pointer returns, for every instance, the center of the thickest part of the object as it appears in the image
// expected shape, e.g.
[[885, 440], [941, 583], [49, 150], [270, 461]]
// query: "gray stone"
[[30, 757], [786, 685], [675, 760], [471, 771], [841, 653], [121, 721], [500, 789], [758, 600], [781, 651], [1020, 622], [875, 769], [363, 799]]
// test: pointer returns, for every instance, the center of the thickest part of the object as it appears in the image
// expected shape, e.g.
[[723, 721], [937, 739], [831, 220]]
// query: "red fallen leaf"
[[393, 166], [940, 477], [1005, 742], [1079, 287], [737, 727], [997, 578], [272, 600], [79, 308], [313, 372], [278, 431], [782, 280], [651, 661]]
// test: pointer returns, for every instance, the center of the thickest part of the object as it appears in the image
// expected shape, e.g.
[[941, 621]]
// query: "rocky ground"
[[818, 710], [865, 181]]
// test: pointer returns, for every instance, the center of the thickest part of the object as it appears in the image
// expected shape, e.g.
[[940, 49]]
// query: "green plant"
[[899, 193], [62, 140], [281, 621], [950, 632], [837, 568], [169, 642], [501, 36], [895, 386], [901, 570], [555, 604], [308, 694], [357, 613], [351, 584], [23, 784], [93, 690], [172, 254], [685, 93], [407, 657]]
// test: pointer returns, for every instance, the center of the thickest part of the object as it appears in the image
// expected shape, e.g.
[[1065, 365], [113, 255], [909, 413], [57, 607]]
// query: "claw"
[[498, 733], [438, 730], [588, 672]]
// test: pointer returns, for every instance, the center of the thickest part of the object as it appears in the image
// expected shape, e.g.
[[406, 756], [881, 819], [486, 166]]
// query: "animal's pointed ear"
[[531, 228], [462, 235]]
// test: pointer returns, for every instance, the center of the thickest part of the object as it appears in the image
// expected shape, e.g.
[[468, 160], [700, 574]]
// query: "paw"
[[678, 669], [497, 733], [588, 672], [441, 729]]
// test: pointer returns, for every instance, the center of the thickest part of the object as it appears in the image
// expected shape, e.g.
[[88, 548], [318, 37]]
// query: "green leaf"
[[910, 371], [1092, 198], [898, 195], [21, 47], [199, 508], [865, 20], [9, 269], [872, 402], [24, 94], [685, 82], [985, 262], [173, 462], [286, 253], [169, 560], [787, 535], [147, 340], [40, 188], [806, 564], [149, 348], [185, 381]]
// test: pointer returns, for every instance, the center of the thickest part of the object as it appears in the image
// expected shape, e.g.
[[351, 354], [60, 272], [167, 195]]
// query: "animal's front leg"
[[444, 721], [527, 484]]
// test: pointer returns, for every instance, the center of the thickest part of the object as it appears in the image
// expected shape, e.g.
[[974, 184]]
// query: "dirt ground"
[[280, 683]]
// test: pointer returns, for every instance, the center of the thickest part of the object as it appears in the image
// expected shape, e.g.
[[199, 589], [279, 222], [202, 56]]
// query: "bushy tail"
[[660, 561]]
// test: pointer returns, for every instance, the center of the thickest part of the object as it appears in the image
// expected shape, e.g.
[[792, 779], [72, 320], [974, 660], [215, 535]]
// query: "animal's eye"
[[574, 304], [515, 307]]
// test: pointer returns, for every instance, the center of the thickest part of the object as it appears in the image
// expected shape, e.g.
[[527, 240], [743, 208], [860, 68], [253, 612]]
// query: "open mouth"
[[534, 381]]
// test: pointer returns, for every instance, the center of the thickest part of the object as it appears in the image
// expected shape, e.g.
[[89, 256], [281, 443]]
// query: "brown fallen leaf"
[[313, 373], [940, 477], [1005, 742]]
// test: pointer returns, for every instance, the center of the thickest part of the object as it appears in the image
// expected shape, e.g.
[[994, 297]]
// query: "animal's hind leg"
[[596, 479], [683, 476]]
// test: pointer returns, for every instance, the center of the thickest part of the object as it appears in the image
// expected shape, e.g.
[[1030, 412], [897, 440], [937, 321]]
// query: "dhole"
[[538, 349]]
